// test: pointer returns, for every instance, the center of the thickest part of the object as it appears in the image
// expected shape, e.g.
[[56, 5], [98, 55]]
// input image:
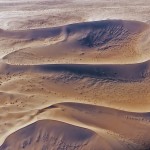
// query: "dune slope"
[[107, 42], [88, 83], [130, 132]]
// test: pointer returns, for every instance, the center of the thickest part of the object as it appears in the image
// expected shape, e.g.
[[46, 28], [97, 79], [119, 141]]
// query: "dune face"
[[74, 75], [50, 134], [83, 83], [111, 41], [129, 133]]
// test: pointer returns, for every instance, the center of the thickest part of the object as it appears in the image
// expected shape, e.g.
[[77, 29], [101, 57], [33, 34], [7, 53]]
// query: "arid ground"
[[74, 75]]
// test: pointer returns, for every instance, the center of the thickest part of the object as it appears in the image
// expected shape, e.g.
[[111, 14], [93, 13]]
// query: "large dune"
[[105, 42], [88, 83]]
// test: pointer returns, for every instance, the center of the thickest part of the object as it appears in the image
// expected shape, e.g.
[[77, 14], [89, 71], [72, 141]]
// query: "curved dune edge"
[[89, 127], [114, 86], [99, 42]]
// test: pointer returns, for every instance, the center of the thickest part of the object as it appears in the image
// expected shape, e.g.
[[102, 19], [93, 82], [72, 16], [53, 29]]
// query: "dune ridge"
[[108, 41]]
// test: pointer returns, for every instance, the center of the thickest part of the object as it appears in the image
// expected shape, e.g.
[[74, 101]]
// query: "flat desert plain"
[[74, 75]]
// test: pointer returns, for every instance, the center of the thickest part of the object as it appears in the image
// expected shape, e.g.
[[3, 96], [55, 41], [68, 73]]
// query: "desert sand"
[[74, 75]]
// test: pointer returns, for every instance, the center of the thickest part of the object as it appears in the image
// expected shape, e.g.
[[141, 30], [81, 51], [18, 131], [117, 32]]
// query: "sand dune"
[[51, 134], [88, 83], [105, 42], [129, 133], [135, 72]]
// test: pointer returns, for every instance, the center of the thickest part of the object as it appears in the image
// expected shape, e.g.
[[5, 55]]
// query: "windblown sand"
[[74, 75]]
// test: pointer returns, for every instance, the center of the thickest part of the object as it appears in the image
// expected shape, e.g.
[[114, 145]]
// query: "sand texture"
[[74, 75]]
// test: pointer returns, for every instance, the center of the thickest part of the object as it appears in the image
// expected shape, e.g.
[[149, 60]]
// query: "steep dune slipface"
[[107, 42]]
